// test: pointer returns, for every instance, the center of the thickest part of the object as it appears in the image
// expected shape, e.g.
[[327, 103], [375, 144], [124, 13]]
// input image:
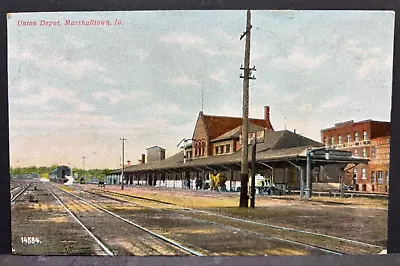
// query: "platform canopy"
[[296, 155]]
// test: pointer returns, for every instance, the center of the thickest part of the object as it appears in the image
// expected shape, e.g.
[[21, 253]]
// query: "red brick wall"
[[347, 129], [381, 161], [200, 134], [380, 129]]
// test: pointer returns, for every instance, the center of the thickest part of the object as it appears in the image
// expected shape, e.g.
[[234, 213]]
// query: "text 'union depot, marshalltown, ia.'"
[[68, 22]]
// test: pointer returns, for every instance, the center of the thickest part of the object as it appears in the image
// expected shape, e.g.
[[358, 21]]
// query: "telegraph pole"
[[83, 167], [244, 173], [123, 163]]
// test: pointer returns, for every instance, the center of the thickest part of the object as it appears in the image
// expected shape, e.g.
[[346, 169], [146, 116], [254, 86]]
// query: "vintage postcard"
[[200, 133]]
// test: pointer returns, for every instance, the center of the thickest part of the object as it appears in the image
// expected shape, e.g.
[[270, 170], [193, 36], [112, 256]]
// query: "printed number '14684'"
[[30, 240]]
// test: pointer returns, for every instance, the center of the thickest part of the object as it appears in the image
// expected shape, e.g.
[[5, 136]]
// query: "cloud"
[[109, 81], [75, 68], [219, 76], [306, 108], [335, 102], [24, 85], [115, 96], [367, 68], [353, 47], [47, 95], [85, 107], [74, 42], [140, 53], [183, 39], [183, 81], [299, 59]]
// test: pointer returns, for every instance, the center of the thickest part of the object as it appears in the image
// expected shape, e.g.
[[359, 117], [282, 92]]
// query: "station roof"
[[235, 133], [278, 146]]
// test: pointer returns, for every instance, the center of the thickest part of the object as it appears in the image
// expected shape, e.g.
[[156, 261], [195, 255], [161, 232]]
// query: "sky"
[[74, 91]]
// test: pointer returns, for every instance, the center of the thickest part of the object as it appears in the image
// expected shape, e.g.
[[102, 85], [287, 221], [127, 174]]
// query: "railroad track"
[[341, 240], [107, 249], [236, 228], [13, 198]]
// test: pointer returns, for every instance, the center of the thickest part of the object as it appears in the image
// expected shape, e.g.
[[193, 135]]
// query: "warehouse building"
[[365, 139]]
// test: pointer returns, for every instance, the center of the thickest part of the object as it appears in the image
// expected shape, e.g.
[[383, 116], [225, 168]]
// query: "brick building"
[[217, 135], [364, 139], [379, 165]]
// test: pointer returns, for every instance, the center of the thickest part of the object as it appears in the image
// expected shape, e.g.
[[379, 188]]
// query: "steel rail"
[[20, 193], [98, 241], [258, 223], [228, 226], [170, 241]]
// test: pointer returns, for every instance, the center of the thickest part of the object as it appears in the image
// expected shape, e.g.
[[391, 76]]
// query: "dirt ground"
[[359, 219], [170, 214], [208, 238], [57, 232]]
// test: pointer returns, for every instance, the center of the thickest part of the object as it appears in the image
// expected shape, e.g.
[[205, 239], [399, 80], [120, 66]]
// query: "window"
[[333, 140], [365, 152], [355, 174], [373, 177], [326, 141], [364, 173], [355, 152], [340, 139], [356, 137], [348, 138], [365, 135], [216, 150], [380, 177], [228, 148], [373, 152], [221, 149], [387, 178]]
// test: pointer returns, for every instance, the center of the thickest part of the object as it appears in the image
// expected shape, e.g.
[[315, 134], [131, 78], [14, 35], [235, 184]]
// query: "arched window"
[[365, 135], [333, 140], [203, 147], [197, 149], [340, 139], [356, 137], [326, 141], [348, 138], [364, 173]]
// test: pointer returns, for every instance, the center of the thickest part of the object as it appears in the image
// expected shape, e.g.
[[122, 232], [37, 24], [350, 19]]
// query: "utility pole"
[[253, 172], [244, 173], [123, 163], [83, 162], [83, 168]]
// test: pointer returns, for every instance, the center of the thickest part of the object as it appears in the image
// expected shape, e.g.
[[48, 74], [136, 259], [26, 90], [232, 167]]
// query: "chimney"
[[129, 163], [294, 131], [143, 158], [266, 113]]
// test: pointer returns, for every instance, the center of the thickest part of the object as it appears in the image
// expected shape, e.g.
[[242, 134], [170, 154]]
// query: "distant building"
[[364, 139], [155, 154]]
